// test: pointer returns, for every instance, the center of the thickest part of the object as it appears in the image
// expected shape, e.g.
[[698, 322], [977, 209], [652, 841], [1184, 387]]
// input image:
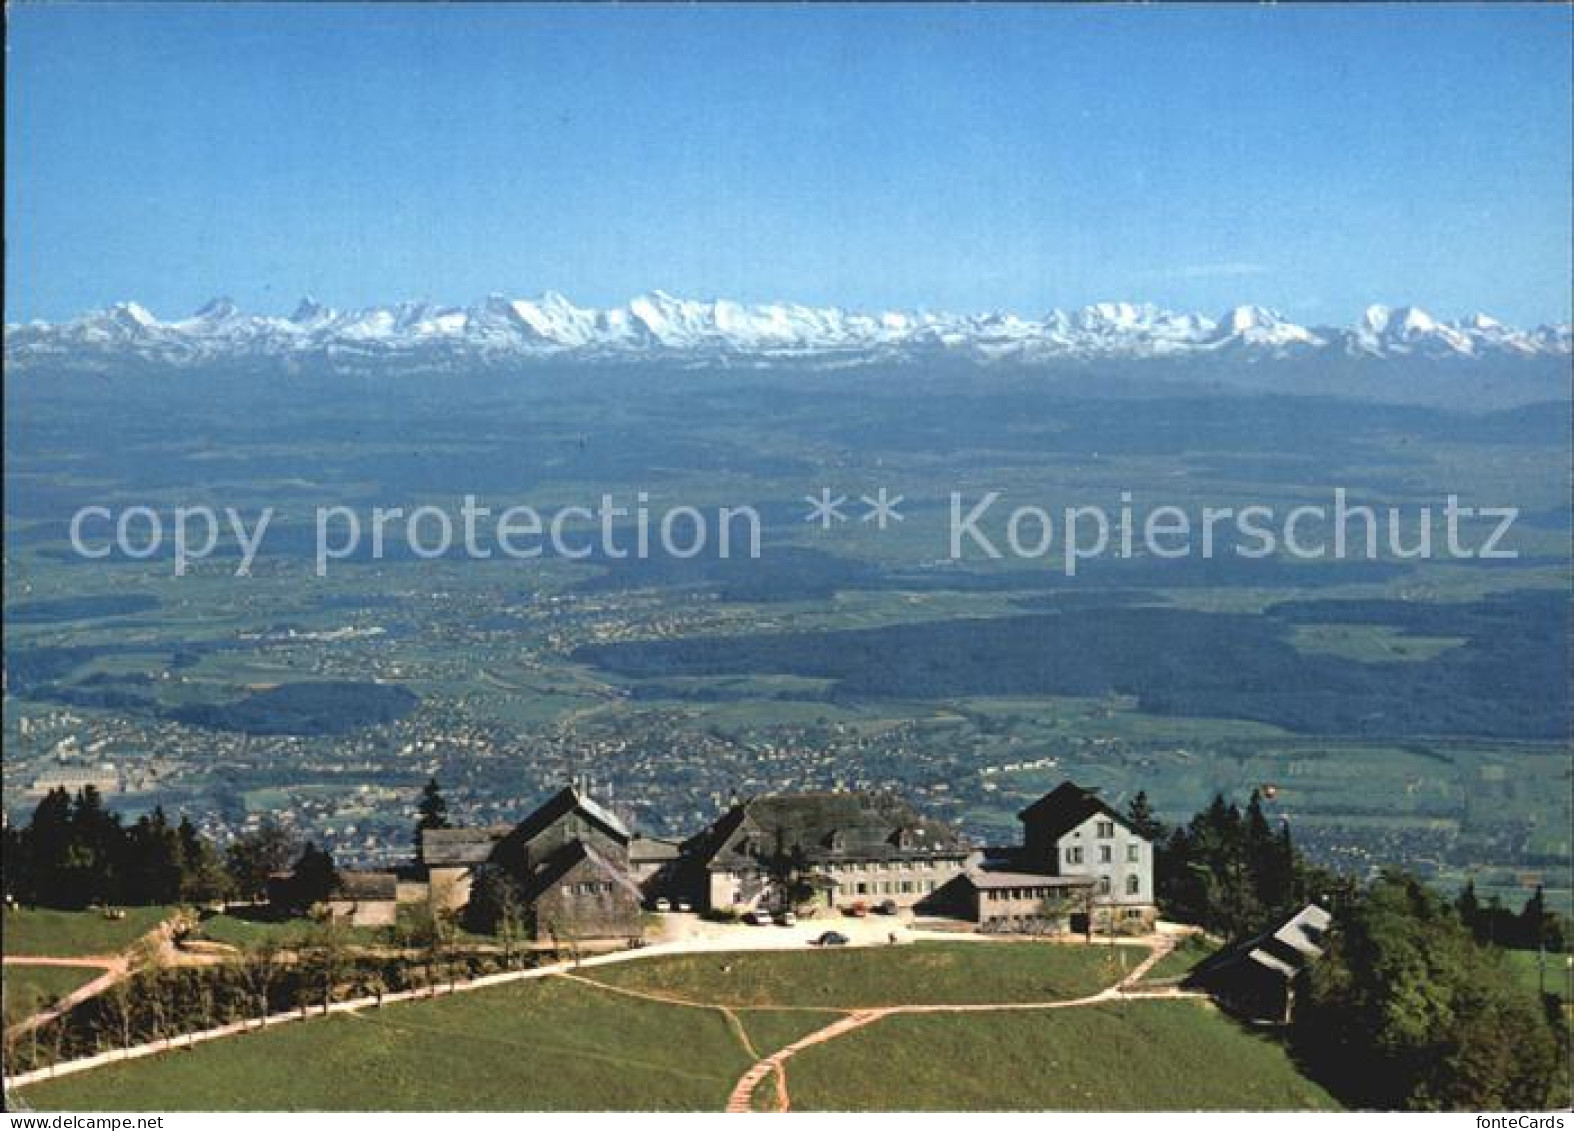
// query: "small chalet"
[[569, 859], [1258, 978]]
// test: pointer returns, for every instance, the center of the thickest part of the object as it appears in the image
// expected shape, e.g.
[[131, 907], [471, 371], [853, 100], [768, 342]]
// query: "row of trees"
[[74, 852], [1533, 927], [164, 1002], [1230, 870]]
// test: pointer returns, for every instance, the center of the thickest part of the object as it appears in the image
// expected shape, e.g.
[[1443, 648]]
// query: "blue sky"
[[951, 158]]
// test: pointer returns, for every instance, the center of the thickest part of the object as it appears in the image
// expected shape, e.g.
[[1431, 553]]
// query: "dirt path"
[[92, 961], [114, 970], [851, 1020], [115, 966], [742, 1097]]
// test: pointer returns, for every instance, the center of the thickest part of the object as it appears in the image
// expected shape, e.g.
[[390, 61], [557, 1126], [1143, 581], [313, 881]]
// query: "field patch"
[[1131, 1056], [29, 989], [70, 934], [861, 977], [771, 1030]]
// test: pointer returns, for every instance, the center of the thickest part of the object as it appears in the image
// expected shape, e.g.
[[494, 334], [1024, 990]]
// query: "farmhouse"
[[822, 849], [1259, 977], [1081, 865], [569, 862]]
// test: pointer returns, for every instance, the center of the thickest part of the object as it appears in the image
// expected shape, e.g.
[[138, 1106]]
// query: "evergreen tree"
[[85, 871], [74, 851], [313, 878], [15, 875], [156, 870], [202, 877], [432, 810], [1232, 872], [1140, 813], [254, 856], [1468, 907], [1278, 886]]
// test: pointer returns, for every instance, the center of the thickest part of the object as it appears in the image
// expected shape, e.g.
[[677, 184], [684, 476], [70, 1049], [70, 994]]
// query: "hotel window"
[[1133, 853], [1106, 854], [1074, 855], [1106, 829], [1103, 885], [1133, 885]]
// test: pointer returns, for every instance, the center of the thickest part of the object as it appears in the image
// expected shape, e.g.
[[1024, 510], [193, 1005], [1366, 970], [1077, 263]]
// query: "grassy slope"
[[27, 989], [1190, 951], [541, 1045], [555, 1045], [1140, 1055], [248, 933], [65, 934], [853, 978]]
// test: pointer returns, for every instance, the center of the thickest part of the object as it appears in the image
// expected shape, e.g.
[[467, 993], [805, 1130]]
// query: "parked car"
[[759, 918], [830, 938], [856, 911], [787, 919], [885, 907], [663, 904]]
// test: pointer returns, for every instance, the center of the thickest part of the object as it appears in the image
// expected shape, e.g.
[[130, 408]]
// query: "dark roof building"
[[457, 848], [852, 847], [1081, 864], [569, 859], [365, 886], [1258, 978], [1062, 810], [823, 827]]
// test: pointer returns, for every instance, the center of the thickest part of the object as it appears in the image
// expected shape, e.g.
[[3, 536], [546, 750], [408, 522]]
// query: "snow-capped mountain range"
[[659, 327]]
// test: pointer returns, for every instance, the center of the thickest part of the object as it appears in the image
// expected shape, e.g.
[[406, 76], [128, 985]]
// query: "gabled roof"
[[447, 848], [833, 825], [565, 859], [559, 805], [1286, 949], [991, 879], [365, 886], [1067, 806]]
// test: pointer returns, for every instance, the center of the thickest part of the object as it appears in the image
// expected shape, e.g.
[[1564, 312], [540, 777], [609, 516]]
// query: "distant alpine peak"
[[218, 308], [661, 326]]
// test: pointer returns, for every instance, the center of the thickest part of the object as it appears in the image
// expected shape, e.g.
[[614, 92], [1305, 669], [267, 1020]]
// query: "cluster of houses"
[[578, 872]]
